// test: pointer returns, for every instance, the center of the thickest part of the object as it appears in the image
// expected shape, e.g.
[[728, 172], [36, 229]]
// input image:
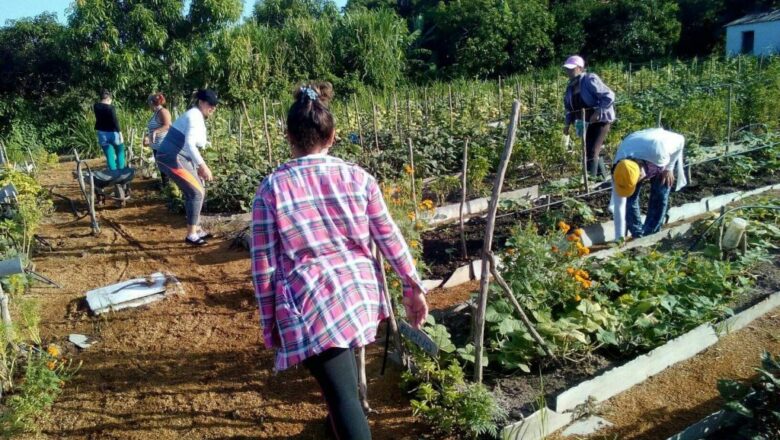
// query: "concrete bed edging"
[[546, 421], [450, 213]]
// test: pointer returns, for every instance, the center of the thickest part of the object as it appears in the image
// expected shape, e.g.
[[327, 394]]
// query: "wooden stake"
[[376, 124], [585, 153], [395, 112], [449, 93], [357, 117], [251, 128], [267, 136], [463, 192], [479, 323], [414, 185]]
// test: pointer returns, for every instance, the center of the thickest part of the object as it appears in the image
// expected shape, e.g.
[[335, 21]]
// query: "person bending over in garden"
[[655, 156], [315, 277], [108, 134], [157, 127], [586, 91], [179, 158]]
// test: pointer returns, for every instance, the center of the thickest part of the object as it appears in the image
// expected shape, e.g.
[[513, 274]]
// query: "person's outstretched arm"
[[391, 243], [264, 243]]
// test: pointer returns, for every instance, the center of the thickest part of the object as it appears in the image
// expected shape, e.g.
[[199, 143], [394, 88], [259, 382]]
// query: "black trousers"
[[336, 372], [594, 141]]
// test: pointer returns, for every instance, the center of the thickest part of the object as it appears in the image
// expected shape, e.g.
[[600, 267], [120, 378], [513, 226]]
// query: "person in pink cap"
[[586, 91]]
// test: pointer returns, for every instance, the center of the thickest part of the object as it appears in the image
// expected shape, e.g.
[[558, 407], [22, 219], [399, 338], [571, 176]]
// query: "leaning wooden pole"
[[518, 308], [391, 319], [479, 318]]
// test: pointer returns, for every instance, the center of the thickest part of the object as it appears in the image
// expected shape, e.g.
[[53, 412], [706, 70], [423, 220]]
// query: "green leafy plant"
[[756, 404]]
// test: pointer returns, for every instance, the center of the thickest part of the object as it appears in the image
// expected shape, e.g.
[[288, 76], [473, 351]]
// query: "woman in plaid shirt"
[[315, 278]]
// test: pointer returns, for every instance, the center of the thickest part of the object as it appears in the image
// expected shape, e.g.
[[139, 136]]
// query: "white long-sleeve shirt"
[[661, 147], [193, 126]]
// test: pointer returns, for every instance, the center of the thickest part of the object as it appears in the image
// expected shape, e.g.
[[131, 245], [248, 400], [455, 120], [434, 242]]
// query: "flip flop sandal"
[[198, 242]]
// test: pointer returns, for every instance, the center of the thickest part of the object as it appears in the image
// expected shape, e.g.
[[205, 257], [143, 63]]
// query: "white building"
[[754, 34]]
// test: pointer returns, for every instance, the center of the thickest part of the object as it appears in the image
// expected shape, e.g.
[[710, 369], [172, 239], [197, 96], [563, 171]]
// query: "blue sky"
[[14, 9]]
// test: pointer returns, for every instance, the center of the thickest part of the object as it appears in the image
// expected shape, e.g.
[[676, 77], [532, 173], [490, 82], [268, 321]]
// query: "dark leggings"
[[336, 372], [594, 141]]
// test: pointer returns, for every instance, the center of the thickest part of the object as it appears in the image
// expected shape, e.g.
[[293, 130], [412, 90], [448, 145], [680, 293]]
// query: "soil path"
[[191, 366], [685, 393]]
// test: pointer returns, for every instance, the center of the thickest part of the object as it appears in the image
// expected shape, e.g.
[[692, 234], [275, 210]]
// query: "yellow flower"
[[414, 244], [62, 383], [427, 204], [510, 251], [570, 270], [578, 232], [51, 365], [563, 226], [577, 298], [572, 237], [53, 350], [410, 215], [583, 251], [586, 284], [395, 284], [408, 169], [583, 274]]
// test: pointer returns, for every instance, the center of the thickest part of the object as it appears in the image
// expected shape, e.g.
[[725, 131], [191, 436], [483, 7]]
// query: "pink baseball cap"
[[574, 61]]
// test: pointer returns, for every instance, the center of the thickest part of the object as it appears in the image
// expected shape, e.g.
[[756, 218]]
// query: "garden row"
[[32, 373], [592, 314], [707, 101]]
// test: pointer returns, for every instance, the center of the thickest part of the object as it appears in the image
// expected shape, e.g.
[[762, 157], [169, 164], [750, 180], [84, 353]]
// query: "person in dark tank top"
[[108, 133]]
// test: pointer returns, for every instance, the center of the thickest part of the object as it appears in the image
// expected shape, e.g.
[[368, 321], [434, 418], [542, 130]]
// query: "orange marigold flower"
[[578, 232], [51, 365], [583, 274], [570, 270], [572, 237], [510, 251], [410, 215], [414, 244], [408, 169], [586, 284], [53, 350], [563, 226], [577, 298], [583, 251]]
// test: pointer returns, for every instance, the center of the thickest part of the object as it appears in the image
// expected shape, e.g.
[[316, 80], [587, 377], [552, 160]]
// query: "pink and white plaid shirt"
[[315, 278]]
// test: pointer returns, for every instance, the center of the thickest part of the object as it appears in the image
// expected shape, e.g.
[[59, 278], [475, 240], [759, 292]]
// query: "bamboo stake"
[[728, 112], [414, 189], [449, 93], [464, 190], [408, 113], [376, 125], [251, 128], [357, 116], [267, 136], [240, 133], [479, 322], [500, 97], [395, 112], [585, 153]]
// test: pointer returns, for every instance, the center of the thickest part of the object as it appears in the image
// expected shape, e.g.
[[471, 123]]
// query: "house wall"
[[767, 38]]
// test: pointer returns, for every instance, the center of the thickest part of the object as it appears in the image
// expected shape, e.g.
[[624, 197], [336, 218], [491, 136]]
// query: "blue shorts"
[[106, 138]]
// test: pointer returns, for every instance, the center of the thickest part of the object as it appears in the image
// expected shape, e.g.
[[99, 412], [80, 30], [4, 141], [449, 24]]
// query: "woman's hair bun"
[[322, 89]]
